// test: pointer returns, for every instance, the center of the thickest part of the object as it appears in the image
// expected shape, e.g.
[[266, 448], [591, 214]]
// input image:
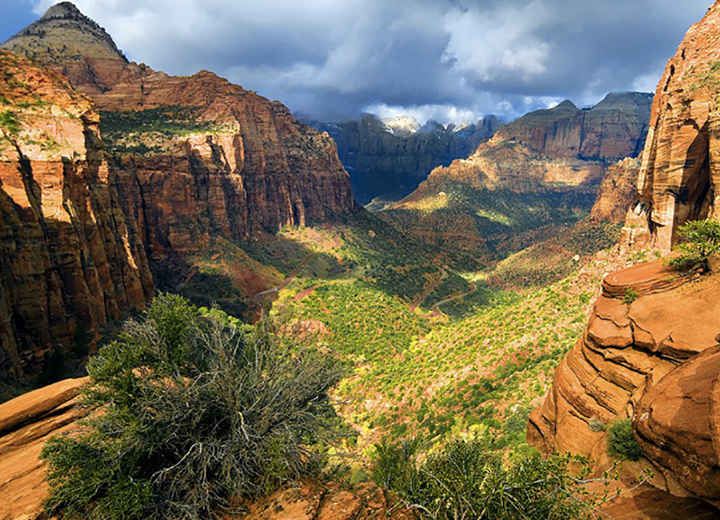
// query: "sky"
[[449, 60]]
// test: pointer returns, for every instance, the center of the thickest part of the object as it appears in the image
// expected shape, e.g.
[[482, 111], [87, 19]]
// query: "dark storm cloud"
[[448, 59]]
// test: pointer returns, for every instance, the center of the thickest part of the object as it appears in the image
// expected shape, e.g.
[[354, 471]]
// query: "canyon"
[[538, 172], [499, 297]]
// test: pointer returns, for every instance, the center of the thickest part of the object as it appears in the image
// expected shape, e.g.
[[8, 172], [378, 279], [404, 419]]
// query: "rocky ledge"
[[26, 423], [650, 353]]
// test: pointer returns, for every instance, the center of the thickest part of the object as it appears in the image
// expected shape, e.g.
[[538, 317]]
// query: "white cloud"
[[422, 113], [441, 59], [490, 44]]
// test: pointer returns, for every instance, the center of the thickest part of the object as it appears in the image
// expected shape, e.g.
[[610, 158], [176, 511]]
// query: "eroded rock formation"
[[617, 192], [196, 156], [69, 260], [613, 129], [26, 423], [649, 354], [541, 171], [680, 170]]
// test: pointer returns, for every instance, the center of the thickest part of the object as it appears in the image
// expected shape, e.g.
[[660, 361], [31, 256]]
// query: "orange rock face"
[[648, 354], [69, 260], [611, 130], [617, 192], [26, 423], [234, 165], [181, 161], [680, 170]]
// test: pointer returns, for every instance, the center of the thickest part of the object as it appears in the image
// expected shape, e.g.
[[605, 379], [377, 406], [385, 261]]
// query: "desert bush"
[[621, 442], [701, 241], [196, 410], [471, 479], [630, 295]]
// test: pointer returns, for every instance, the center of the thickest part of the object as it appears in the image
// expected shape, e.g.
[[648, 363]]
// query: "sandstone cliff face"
[[613, 129], [388, 164], [186, 160], [26, 423], [617, 192], [652, 358], [69, 260], [233, 165], [679, 175], [542, 170]]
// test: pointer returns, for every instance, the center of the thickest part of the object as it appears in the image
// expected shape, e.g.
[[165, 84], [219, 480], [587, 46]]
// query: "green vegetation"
[[9, 122], [621, 441], [473, 363], [472, 479], [476, 227], [196, 410], [630, 295], [147, 131], [701, 241]]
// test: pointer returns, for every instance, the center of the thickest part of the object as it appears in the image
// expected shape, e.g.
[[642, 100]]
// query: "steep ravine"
[[182, 162]]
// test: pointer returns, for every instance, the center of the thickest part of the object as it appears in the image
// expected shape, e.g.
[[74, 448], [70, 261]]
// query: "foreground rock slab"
[[26, 423]]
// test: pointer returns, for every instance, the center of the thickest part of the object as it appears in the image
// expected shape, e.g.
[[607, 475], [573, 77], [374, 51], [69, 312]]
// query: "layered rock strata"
[[388, 164], [26, 423], [680, 171], [648, 354], [69, 259], [182, 162]]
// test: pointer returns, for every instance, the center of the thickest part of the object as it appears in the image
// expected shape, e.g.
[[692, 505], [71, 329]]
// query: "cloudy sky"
[[451, 60]]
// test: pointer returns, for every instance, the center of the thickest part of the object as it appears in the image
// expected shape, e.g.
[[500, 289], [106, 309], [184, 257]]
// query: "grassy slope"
[[474, 362]]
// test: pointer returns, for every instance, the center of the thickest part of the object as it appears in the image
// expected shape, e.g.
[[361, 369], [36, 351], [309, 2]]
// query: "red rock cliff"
[[69, 262], [197, 157], [680, 170], [181, 161], [650, 352]]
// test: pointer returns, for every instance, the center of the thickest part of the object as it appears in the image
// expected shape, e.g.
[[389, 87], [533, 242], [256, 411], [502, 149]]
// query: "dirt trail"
[[287, 280]]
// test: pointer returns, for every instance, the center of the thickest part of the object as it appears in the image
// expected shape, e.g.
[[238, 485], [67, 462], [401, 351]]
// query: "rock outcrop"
[[617, 192], [680, 171], [613, 129], [69, 259], [389, 164], [647, 354], [561, 146], [541, 171], [26, 423], [196, 156]]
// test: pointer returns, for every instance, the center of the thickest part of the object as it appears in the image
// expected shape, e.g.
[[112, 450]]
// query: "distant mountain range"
[[388, 158]]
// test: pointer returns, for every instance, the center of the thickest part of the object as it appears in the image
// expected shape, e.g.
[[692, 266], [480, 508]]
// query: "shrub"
[[195, 411], [596, 425], [702, 240], [621, 441], [471, 479], [630, 295]]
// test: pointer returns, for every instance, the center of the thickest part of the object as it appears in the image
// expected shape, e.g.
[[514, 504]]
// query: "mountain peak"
[[64, 34], [565, 105], [63, 10]]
